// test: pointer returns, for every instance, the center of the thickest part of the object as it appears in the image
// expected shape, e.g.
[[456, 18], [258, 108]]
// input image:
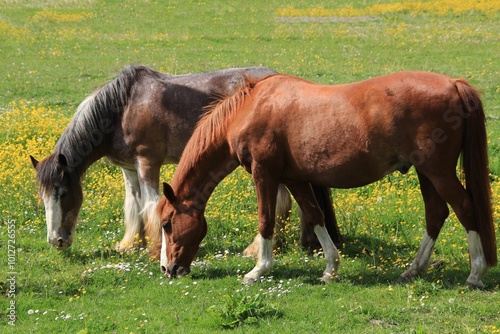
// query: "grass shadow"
[[384, 265], [76, 256]]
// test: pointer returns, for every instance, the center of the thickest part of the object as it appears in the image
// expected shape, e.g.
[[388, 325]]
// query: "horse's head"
[[183, 230], [62, 196]]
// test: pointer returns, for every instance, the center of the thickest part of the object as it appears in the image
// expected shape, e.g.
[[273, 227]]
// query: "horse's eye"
[[58, 192], [167, 226]]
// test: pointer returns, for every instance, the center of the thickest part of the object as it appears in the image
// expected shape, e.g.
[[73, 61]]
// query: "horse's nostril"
[[163, 269], [172, 273], [60, 241]]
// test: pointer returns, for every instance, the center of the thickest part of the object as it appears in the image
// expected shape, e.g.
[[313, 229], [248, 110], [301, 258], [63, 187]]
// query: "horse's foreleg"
[[132, 210], [264, 260], [313, 216], [283, 206], [436, 211], [267, 188]]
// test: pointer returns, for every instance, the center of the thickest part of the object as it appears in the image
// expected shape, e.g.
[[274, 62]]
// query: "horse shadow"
[[442, 273], [76, 256]]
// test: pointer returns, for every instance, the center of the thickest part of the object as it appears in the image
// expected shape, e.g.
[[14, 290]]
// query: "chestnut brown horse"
[[139, 121], [289, 130]]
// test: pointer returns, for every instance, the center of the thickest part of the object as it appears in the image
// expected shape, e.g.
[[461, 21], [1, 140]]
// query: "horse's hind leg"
[[461, 202], [452, 191], [436, 211], [313, 216], [308, 238], [283, 206], [132, 209]]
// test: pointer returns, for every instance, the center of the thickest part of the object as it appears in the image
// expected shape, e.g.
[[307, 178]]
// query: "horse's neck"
[[194, 184]]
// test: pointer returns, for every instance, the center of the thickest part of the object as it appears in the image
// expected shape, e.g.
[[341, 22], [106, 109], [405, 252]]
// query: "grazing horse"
[[139, 121], [283, 129]]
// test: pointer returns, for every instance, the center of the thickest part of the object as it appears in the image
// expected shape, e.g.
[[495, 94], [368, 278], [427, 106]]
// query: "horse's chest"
[[244, 157]]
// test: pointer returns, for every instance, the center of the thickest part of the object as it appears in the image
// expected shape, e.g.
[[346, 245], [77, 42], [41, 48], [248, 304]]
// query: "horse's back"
[[350, 134], [163, 109]]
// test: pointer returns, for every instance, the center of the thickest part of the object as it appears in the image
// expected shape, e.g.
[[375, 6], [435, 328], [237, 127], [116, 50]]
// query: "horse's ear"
[[168, 192], [62, 160], [34, 162], [62, 164]]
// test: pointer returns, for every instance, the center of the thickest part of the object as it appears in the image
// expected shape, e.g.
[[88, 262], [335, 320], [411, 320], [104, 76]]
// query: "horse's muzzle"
[[61, 242], [176, 271]]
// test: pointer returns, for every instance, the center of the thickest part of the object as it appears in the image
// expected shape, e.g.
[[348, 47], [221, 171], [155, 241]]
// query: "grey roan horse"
[[140, 120]]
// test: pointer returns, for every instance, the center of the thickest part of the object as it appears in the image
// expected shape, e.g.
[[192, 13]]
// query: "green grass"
[[54, 53]]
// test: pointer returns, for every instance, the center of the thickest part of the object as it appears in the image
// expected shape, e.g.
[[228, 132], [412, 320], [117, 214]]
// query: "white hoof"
[[248, 280], [124, 246], [474, 284]]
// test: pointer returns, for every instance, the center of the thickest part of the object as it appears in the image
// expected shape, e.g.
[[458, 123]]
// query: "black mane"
[[90, 128]]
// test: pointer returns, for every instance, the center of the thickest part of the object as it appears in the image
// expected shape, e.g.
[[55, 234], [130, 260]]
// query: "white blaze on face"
[[163, 254], [53, 216]]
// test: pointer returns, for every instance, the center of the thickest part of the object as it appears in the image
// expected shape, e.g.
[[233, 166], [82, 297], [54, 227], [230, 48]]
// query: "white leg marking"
[[477, 260], [331, 254], [53, 216], [424, 253], [421, 262], [264, 261], [283, 206]]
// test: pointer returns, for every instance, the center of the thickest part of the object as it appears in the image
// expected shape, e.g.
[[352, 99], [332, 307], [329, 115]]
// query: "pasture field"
[[55, 52]]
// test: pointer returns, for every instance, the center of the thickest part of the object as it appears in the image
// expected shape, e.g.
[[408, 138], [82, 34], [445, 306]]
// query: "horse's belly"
[[348, 173], [349, 178]]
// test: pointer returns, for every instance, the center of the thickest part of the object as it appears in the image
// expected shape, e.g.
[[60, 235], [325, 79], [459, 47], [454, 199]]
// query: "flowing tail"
[[475, 167]]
